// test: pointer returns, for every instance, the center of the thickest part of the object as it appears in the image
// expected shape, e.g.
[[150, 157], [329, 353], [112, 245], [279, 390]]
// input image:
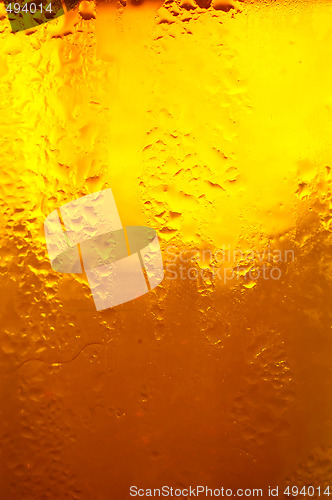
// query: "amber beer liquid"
[[211, 123]]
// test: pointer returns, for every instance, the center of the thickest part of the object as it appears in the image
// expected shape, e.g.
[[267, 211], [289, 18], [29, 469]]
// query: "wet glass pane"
[[211, 124]]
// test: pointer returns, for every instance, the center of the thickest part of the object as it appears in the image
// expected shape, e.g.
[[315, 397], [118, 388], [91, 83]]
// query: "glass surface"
[[211, 123]]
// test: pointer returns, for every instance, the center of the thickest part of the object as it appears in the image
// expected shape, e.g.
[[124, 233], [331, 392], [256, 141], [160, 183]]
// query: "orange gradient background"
[[212, 124]]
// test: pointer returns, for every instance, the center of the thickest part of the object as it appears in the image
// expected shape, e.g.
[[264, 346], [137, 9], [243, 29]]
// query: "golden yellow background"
[[213, 126]]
